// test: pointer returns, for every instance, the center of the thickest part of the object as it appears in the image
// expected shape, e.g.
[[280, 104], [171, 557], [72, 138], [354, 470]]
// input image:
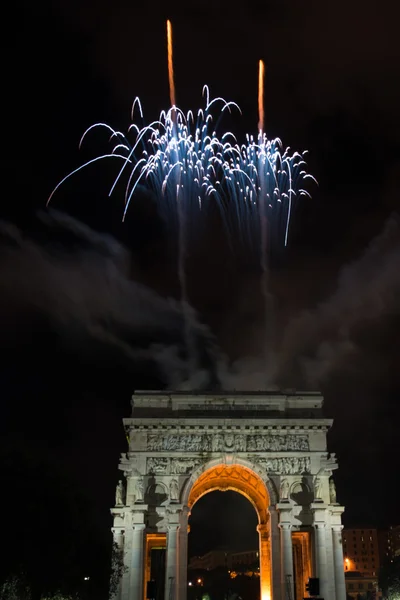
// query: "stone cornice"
[[203, 424], [213, 403]]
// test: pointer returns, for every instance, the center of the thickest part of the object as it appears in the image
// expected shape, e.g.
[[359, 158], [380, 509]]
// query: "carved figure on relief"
[[119, 494], [174, 491], [157, 465], [276, 443], [284, 491], [290, 465], [317, 488], [217, 443], [182, 466], [332, 491], [139, 490]]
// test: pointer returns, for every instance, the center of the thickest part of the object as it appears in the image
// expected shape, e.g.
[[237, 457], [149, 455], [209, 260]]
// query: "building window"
[[351, 586], [360, 586]]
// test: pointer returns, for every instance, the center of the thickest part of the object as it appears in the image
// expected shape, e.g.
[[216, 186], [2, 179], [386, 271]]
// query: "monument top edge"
[[228, 393], [259, 402]]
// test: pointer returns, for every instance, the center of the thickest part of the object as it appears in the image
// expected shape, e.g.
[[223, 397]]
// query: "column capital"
[[184, 511], [138, 526], [337, 528], [285, 526], [319, 524], [173, 527], [117, 530]]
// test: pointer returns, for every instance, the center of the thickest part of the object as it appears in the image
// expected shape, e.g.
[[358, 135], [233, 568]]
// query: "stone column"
[[275, 554], [287, 561], [118, 539], [340, 583], [265, 561], [137, 562], [172, 563], [320, 558], [183, 546]]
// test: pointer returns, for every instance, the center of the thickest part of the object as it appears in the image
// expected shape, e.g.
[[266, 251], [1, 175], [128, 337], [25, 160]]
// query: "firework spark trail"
[[181, 216], [170, 65], [262, 207], [211, 170], [261, 76]]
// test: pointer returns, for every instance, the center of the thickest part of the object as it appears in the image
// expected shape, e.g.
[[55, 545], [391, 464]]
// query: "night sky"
[[84, 310]]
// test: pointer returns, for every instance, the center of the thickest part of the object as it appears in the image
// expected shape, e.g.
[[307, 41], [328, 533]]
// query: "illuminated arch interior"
[[244, 481], [237, 478]]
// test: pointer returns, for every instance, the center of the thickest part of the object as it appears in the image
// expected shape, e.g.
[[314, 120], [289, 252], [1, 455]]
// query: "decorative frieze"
[[226, 442], [182, 466], [157, 466], [289, 465]]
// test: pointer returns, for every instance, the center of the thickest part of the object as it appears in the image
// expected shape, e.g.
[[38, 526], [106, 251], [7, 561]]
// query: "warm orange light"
[[170, 65], [261, 74], [245, 481]]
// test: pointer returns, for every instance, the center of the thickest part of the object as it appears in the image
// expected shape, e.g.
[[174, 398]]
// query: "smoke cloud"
[[338, 333], [78, 280]]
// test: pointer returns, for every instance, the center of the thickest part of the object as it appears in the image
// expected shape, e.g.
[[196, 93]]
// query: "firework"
[[187, 160], [170, 65], [261, 75]]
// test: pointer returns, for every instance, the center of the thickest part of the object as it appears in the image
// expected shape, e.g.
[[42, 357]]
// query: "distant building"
[[209, 561], [361, 551], [222, 558], [361, 585], [247, 558], [385, 547], [389, 544], [394, 533]]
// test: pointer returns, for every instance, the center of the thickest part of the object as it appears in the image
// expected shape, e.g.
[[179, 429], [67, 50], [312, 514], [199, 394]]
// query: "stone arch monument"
[[270, 447]]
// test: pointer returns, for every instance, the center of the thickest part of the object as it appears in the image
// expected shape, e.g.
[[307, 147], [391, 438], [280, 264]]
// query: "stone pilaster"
[[321, 567], [265, 561], [285, 525], [336, 523], [136, 590], [182, 548], [118, 539], [172, 571], [275, 553]]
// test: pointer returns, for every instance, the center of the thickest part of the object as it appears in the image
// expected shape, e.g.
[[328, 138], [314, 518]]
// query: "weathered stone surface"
[[269, 446]]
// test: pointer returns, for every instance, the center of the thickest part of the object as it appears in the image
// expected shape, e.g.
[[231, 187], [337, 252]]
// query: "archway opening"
[[223, 552], [244, 481]]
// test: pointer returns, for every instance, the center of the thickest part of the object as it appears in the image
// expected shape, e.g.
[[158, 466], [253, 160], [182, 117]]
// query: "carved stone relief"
[[289, 465], [157, 465], [277, 443], [182, 466], [226, 442]]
